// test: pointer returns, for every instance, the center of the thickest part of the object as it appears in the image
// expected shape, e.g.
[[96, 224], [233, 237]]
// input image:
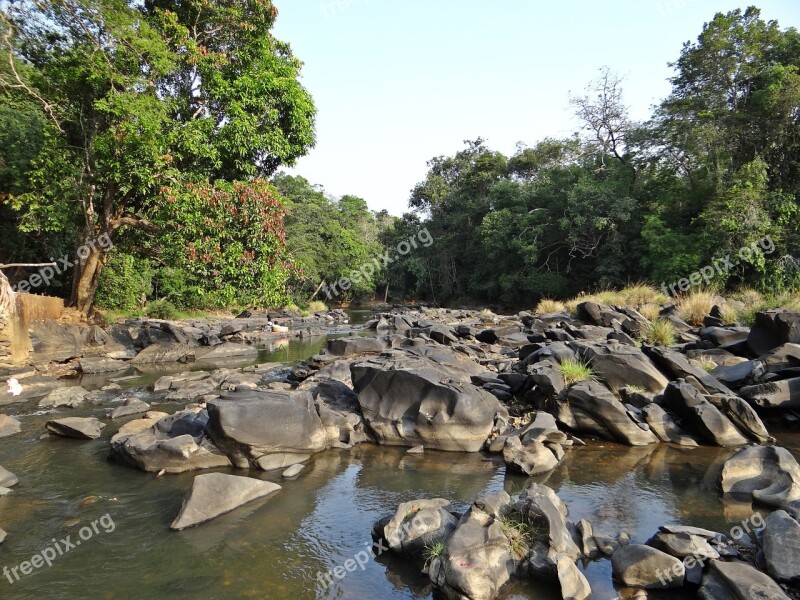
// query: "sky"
[[398, 82]]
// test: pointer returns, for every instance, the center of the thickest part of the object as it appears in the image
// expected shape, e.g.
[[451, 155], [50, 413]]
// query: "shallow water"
[[278, 548]]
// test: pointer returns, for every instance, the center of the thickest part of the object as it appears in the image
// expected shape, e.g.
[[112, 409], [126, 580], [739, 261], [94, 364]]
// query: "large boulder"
[[418, 525], [738, 581], [532, 458], [773, 328], [678, 367], [164, 352], [84, 428], [97, 365], [780, 541], [783, 394], [620, 365], [647, 567], [410, 400], [214, 494], [172, 443], [664, 426], [350, 346], [684, 400], [248, 426], [594, 409], [766, 474]]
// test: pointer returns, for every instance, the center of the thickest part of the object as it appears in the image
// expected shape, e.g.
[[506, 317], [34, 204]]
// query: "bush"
[[123, 282], [317, 306], [162, 309], [547, 306], [696, 306]]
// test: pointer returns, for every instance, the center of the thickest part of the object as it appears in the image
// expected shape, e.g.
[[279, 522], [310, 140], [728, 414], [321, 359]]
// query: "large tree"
[[141, 104]]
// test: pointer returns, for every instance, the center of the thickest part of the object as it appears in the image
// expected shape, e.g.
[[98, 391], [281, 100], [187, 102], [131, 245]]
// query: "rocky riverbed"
[[436, 389]]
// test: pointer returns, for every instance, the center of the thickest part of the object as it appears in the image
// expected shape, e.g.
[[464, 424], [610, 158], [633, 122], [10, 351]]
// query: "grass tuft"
[[547, 306], [574, 371], [696, 306], [659, 332]]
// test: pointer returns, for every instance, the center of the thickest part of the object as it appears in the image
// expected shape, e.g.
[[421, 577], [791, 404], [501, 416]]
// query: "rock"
[[780, 541], [249, 425], [417, 525], [3, 536], [542, 507], [413, 400], [293, 471], [736, 375], [619, 365], [681, 545], [596, 410], [85, 428], [773, 328], [164, 352], [351, 346], [132, 406], [226, 350], [93, 366], [678, 367], [573, 583], [766, 474], [214, 494], [70, 397], [775, 394], [416, 450], [642, 566], [273, 462], [782, 358], [532, 458], [664, 426], [7, 478], [738, 581], [172, 443], [744, 417], [9, 426], [724, 336], [710, 424]]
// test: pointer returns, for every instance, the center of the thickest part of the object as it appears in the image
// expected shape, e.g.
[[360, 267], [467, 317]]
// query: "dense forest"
[[132, 121]]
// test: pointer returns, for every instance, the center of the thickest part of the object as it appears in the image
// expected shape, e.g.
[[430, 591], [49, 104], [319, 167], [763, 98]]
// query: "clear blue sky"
[[397, 82]]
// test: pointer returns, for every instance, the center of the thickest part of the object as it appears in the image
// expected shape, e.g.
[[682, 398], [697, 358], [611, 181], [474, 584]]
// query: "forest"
[[167, 128]]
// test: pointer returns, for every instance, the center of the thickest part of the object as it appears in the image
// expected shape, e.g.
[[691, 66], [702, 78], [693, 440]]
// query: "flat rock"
[[132, 406], [214, 494], [7, 478], [737, 580], [9, 426], [292, 471], [85, 428], [70, 397], [93, 366], [645, 567], [780, 541]]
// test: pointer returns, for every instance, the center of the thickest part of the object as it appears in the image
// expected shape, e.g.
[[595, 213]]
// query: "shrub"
[[547, 306], [695, 307], [660, 332], [317, 306], [123, 282], [162, 309], [574, 371]]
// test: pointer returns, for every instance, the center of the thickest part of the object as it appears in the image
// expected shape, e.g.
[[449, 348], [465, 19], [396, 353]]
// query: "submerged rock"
[[214, 494]]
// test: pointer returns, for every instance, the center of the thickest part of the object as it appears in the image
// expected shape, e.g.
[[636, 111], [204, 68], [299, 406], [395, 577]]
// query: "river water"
[[278, 548]]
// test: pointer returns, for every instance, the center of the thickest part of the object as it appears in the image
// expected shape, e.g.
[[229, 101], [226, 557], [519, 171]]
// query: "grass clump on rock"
[[547, 306], [575, 371], [659, 332]]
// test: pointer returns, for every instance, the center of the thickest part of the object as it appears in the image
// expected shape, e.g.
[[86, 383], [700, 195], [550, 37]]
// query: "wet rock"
[[738, 581], [9, 426], [642, 566], [214, 494], [69, 397], [664, 426], [766, 474], [249, 425], [412, 400], [574, 585], [703, 417], [532, 458], [172, 443], [780, 541], [293, 471], [273, 462], [85, 428], [132, 406], [596, 410]]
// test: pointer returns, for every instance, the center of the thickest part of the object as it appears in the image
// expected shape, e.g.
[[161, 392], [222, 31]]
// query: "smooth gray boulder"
[[351, 346], [784, 394], [97, 365], [417, 525], [737, 580], [412, 400], [214, 494], [620, 365], [532, 458], [646, 567], [780, 541], [131, 406], [574, 585], [766, 474], [592, 408], [84, 428], [678, 367], [774, 328], [684, 400], [744, 417], [172, 443], [293, 471], [664, 426], [164, 352], [247, 426]]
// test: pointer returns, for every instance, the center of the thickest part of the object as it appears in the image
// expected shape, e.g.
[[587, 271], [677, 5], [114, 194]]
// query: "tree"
[[147, 101]]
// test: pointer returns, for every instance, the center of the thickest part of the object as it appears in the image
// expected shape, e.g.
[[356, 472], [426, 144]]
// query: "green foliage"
[[124, 282], [162, 309], [574, 371]]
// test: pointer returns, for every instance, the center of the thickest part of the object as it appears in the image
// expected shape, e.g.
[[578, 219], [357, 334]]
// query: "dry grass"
[[39, 308], [634, 296], [694, 307], [659, 332], [317, 306], [547, 306], [650, 311], [8, 301]]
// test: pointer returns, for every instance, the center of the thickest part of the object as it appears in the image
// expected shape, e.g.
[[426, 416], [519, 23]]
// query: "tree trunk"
[[87, 278]]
